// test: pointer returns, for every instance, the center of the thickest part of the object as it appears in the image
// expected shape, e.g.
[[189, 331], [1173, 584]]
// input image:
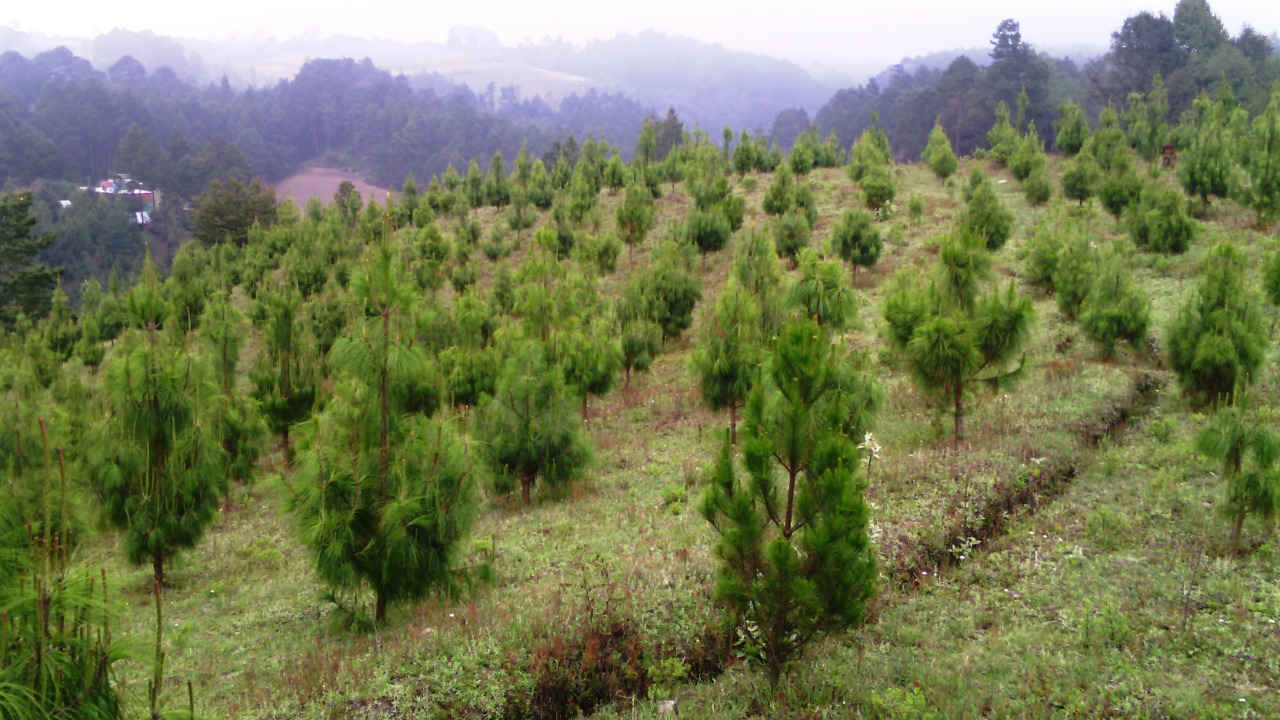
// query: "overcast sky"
[[803, 30]]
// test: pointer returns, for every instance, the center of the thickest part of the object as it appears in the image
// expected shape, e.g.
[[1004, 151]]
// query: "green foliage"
[[1217, 342], [1108, 146], [1263, 193], [590, 358], [1116, 308], [1146, 120], [59, 328], [1118, 191], [790, 235], [726, 358], [1247, 446], [25, 285], [795, 559], [746, 156], [1159, 220], [385, 494], [870, 151], [59, 657], [938, 154], [707, 230], [285, 375], [1271, 277], [1081, 178], [226, 211], [154, 463], [821, 293], [985, 215], [780, 197], [856, 239], [528, 429], [670, 289], [1206, 168], [641, 342], [1071, 129], [1028, 156], [1038, 188], [878, 187], [634, 215], [1002, 138], [1075, 269], [952, 338]]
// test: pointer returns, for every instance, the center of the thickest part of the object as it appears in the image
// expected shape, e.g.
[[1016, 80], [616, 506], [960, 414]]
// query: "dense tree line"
[[63, 119], [1185, 55]]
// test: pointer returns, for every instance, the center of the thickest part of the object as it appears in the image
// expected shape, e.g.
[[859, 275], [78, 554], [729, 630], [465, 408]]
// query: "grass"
[[1067, 562]]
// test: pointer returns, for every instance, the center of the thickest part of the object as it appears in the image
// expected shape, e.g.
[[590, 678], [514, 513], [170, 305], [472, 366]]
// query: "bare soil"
[[323, 182]]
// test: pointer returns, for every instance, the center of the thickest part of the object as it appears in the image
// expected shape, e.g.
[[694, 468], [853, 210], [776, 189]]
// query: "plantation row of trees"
[[394, 380]]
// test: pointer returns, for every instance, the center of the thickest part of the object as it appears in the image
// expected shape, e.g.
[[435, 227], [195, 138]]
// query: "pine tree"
[[790, 235], [25, 285], [780, 197], [1028, 155], [239, 423], [857, 240], [1108, 146], [938, 154], [386, 495], [878, 188], [795, 559], [1081, 178], [671, 288], [726, 358], [590, 358], [1264, 164], [1145, 118], [951, 337], [870, 151], [707, 230], [497, 187], [1206, 168], [634, 217], [528, 428], [1247, 446], [1159, 220], [1218, 342], [1071, 129], [1271, 277], [59, 657], [154, 460], [1002, 138], [285, 375], [1115, 308], [985, 215], [822, 294]]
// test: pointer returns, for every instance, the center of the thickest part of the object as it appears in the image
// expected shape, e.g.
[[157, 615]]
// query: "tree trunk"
[[791, 500], [1235, 534], [626, 383], [380, 607], [286, 446], [733, 424], [526, 484], [584, 406], [157, 568], [959, 414]]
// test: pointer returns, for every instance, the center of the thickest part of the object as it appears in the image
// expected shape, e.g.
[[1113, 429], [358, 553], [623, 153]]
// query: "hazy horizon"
[[811, 33]]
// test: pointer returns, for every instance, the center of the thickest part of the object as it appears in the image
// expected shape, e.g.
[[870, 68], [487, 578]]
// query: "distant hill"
[[709, 85]]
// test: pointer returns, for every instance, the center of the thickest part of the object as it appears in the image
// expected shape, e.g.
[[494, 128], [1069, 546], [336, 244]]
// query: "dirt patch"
[[323, 182]]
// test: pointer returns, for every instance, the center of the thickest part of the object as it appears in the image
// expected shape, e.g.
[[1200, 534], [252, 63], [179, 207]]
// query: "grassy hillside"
[[1067, 560]]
